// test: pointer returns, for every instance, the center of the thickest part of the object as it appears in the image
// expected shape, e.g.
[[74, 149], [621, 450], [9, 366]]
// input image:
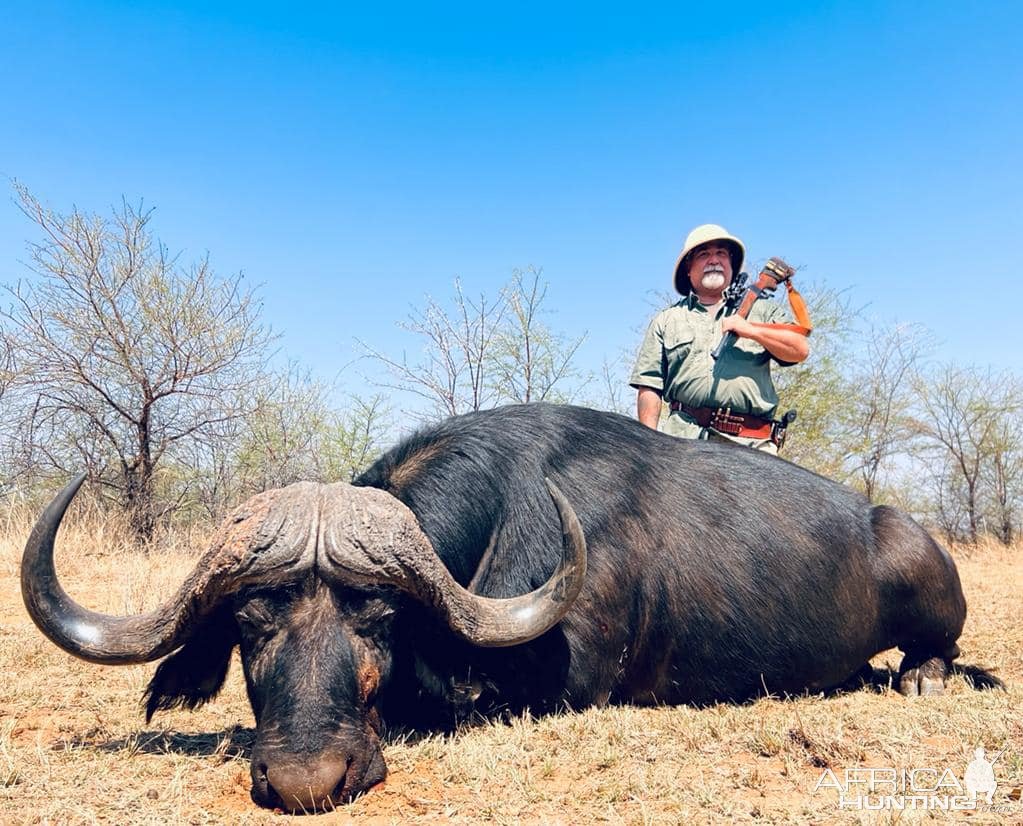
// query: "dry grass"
[[74, 747]]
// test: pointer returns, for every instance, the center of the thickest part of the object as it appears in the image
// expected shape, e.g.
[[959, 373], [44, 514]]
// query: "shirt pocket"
[[678, 343]]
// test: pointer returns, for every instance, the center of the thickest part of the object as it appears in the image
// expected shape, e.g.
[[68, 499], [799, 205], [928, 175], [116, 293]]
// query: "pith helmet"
[[701, 235]]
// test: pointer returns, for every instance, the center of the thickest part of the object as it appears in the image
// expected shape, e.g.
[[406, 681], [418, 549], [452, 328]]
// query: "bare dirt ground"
[[74, 747]]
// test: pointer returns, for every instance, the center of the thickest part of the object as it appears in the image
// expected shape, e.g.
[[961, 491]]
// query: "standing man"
[[732, 398]]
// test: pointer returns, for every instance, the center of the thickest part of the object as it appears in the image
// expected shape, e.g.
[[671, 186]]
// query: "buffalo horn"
[[379, 540], [112, 640]]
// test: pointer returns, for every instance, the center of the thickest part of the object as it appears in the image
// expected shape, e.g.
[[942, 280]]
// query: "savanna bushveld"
[[75, 748], [155, 380]]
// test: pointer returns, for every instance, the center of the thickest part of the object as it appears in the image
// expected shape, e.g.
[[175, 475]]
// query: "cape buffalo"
[[451, 578]]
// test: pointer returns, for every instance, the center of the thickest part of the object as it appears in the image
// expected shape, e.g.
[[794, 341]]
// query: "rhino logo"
[[980, 776]]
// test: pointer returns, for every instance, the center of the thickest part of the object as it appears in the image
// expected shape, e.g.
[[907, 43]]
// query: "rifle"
[[741, 295]]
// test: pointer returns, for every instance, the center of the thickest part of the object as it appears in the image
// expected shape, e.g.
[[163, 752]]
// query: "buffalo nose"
[[308, 787]]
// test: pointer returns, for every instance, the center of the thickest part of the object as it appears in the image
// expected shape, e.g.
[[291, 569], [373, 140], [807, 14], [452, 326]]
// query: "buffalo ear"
[[195, 673]]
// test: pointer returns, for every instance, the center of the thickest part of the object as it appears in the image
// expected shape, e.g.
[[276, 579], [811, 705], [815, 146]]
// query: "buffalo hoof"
[[922, 679]]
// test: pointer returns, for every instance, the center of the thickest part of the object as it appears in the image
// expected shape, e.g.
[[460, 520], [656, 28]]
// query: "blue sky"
[[352, 161]]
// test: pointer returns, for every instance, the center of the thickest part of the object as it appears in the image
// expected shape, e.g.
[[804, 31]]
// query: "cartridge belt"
[[723, 420]]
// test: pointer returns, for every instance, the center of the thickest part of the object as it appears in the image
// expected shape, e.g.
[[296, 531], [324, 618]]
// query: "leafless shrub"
[[125, 357]]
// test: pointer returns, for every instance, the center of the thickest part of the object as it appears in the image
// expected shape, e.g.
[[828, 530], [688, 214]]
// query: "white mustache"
[[713, 277]]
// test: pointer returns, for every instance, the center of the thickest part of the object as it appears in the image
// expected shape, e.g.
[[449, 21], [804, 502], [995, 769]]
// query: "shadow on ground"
[[232, 742], [887, 679], [229, 743], [238, 741]]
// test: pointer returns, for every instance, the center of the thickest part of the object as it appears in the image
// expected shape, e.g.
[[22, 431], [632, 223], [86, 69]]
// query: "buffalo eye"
[[255, 621]]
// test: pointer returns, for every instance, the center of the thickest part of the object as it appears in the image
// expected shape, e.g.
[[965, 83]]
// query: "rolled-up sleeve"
[[650, 368], [773, 312]]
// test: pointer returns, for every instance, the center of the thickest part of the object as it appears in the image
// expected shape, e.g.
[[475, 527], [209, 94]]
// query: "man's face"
[[710, 268]]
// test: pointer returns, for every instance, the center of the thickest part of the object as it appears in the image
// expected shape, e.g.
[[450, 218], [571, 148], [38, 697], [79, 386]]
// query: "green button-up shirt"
[[675, 360]]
